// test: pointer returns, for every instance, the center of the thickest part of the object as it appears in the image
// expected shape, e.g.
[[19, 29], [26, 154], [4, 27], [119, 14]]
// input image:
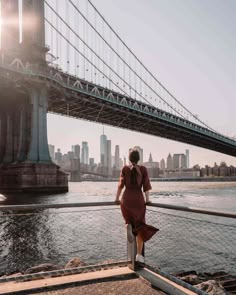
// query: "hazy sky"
[[190, 46]]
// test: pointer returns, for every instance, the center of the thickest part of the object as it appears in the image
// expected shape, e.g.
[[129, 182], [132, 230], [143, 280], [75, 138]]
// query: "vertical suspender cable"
[[135, 79], [103, 55], [57, 44], [129, 74], [52, 35], [124, 66], [68, 38], [87, 38], [110, 62], [118, 60], [76, 44], [96, 62], [84, 38]]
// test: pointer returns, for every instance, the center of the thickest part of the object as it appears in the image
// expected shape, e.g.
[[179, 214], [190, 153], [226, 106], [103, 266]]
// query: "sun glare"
[[20, 20], [0, 24]]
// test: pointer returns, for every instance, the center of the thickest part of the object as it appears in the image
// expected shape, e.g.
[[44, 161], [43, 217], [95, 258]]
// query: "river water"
[[208, 195], [98, 234]]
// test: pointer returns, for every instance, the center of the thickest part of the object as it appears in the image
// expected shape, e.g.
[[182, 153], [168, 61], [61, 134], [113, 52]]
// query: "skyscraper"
[[162, 164], [58, 157], [150, 160], [91, 162], [108, 160], [187, 158], [85, 153], [117, 157], [76, 150], [182, 161], [103, 150], [179, 161], [71, 155], [169, 162], [52, 151], [176, 161]]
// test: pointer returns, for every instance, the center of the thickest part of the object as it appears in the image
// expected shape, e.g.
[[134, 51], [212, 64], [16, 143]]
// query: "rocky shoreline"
[[218, 283]]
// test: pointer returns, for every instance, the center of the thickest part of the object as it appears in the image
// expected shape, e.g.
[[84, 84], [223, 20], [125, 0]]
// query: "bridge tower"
[[25, 163]]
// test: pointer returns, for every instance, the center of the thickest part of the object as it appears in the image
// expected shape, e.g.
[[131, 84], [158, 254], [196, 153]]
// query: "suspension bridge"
[[63, 57]]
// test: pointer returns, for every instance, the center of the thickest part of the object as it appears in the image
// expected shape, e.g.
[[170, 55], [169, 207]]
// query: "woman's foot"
[[140, 258]]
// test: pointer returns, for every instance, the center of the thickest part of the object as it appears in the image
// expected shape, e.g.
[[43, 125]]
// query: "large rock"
[[42, 268], [211, 287], [75, 262]]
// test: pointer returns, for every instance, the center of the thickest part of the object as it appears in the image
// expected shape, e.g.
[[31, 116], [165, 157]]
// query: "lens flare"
[[20, 20], [0, 24]]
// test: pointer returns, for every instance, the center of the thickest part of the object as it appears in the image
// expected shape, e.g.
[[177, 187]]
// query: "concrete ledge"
[[165, 284], [20, 287]]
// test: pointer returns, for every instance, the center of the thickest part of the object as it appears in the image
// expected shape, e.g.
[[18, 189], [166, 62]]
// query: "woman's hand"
[[147, 198], [117, 202], [117, 199]]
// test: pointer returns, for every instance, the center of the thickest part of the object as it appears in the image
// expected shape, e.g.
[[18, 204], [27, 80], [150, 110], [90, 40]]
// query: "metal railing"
[[189, 238], [192, 239], [37, 234]]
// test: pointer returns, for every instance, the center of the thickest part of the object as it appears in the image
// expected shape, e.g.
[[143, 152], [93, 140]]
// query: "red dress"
[[133, 206]]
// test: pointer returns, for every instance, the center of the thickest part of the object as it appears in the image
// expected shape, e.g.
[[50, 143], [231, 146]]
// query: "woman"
[[133, 205]]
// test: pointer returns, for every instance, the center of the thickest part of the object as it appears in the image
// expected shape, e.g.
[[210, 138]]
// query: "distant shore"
[[197, 179], [188, 179]]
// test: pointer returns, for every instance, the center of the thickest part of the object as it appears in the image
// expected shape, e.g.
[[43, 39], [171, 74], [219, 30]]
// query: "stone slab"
[[11, 287]]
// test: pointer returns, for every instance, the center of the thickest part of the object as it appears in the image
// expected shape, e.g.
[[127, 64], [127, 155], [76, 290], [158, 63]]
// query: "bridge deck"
[[74, 97]]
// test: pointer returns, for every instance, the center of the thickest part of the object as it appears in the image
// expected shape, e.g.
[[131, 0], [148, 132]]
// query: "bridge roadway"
[[70, 96]]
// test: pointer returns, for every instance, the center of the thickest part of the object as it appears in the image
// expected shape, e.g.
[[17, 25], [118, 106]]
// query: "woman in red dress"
[[133, 205]]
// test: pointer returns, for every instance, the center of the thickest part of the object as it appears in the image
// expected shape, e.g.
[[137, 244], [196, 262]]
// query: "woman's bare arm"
[[147, 196], [119, 190]]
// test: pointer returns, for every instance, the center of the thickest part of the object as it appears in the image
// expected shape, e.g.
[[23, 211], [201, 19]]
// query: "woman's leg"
[[139, 241]]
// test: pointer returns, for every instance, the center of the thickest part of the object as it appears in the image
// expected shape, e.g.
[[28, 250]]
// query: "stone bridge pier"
[[25, 163]]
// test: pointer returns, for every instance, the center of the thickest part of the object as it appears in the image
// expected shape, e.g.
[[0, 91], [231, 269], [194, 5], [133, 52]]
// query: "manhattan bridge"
[[63, 57]]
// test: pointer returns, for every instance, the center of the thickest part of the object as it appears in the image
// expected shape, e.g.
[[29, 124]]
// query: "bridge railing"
[[189, 239]]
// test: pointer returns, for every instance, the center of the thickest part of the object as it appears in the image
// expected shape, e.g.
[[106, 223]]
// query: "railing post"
[[131, 251]]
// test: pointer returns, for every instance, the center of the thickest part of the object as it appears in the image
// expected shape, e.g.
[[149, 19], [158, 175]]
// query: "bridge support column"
[[25, 163]]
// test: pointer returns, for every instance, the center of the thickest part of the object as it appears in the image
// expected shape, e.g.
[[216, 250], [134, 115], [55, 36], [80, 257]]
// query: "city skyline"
[[109, 157], [174, 166], [94, 151], [187, 56]]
